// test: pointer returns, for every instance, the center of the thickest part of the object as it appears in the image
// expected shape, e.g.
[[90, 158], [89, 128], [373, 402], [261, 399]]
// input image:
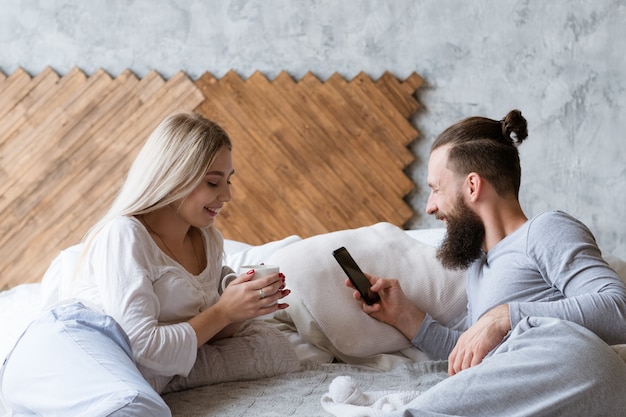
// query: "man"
[[543, 306]]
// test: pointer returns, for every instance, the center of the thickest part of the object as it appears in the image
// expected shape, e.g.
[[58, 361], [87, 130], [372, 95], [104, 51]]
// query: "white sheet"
[[18, 307]]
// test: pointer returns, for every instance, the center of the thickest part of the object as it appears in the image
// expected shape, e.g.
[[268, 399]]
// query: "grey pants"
[[546, 367]]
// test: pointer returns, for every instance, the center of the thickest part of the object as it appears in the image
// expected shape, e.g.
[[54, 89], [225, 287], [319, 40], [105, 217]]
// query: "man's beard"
[[464, 238]]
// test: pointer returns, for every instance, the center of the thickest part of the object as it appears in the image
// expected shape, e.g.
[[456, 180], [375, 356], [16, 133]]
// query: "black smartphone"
[[356, 276]]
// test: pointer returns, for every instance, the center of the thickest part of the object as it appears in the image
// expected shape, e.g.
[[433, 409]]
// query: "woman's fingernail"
[[250, 272], [281, 275]]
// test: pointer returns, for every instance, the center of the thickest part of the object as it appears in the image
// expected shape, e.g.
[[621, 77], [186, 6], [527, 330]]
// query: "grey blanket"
[[297, 393]]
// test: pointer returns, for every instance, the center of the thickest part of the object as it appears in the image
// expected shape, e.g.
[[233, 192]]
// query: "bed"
[[308, 358], [339, 153]]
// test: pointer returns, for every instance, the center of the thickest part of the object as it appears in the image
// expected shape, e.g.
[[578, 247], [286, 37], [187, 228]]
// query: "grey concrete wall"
[[561, 62]]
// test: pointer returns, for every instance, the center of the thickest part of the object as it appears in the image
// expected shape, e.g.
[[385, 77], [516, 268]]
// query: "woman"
[[147, 282]]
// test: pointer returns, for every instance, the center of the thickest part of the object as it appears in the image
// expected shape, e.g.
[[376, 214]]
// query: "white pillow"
[[431, 237], [57, 280], [383, 250], [232, 246], [238, 253]]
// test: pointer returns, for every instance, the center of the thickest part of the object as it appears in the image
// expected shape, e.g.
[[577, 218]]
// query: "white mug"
[[260, 271]]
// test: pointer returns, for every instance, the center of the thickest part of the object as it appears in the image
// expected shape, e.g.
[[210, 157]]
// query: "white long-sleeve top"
[[127, 276]]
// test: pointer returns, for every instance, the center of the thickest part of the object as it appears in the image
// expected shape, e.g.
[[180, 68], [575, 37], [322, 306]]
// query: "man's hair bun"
[[514, 127]]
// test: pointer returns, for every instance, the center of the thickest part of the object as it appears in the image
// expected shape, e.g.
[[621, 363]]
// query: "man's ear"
[[473, 186]]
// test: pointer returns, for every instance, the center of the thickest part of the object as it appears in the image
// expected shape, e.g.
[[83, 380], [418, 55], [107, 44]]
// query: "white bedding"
[[295, 393]]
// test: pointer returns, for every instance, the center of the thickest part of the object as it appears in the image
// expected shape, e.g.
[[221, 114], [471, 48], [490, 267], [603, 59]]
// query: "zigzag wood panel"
[[313, 157], [65, 146]]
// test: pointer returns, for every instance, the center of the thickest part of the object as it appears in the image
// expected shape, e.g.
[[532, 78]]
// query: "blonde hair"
[[171, 163]]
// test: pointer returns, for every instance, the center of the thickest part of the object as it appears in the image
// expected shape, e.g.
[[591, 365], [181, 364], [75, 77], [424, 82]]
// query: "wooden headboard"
[[310, 157]]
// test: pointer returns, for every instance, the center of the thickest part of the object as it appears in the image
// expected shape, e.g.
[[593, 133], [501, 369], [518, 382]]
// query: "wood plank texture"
[[310, 157], [65, 146], [313, 157]]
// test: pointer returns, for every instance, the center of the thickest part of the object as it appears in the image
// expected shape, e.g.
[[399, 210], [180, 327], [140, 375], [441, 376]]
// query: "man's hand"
[[477, 341], [393, 308]]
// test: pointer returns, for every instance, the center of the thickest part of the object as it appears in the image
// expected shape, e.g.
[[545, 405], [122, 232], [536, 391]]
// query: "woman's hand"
[[393, 308], [255, 297], [243, 299]]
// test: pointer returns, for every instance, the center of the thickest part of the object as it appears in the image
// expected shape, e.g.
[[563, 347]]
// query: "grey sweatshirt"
[[549, 267]]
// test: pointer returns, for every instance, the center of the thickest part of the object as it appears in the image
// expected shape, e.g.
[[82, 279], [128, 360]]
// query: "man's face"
[[443, 184], [465, 229]]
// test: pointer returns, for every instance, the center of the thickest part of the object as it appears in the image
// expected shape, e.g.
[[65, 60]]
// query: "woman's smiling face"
[[203, 204]]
